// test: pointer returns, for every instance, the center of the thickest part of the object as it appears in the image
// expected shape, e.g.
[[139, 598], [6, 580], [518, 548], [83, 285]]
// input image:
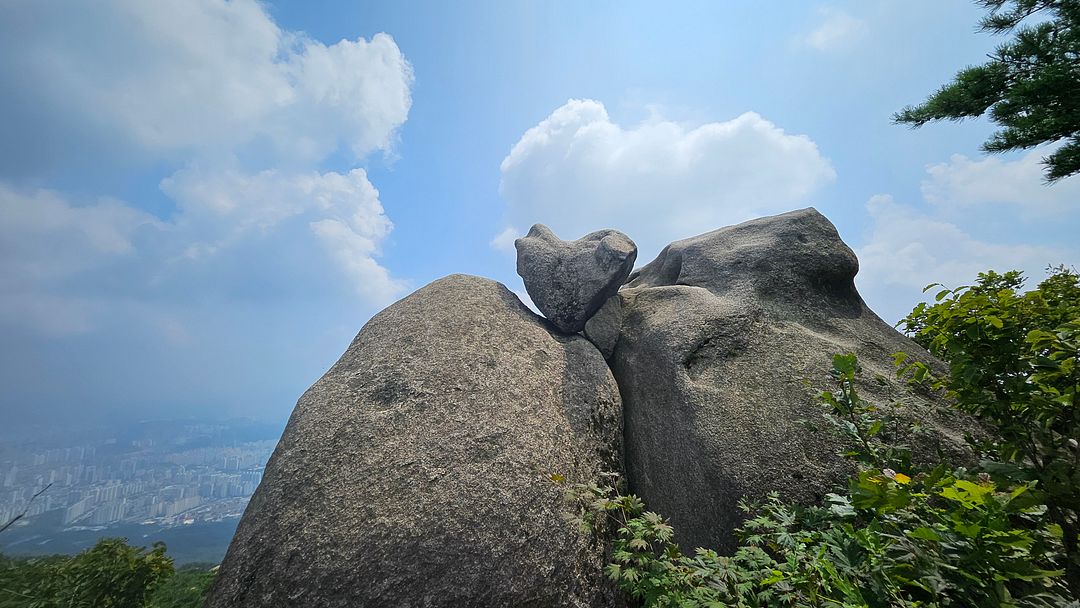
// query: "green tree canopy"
[[112, 574], [1030, 86], [1014, 362]]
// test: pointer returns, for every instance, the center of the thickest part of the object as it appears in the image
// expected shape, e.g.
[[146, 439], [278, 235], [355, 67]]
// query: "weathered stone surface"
[[570, 280], [604, 327], [724, 342], [415, 472]]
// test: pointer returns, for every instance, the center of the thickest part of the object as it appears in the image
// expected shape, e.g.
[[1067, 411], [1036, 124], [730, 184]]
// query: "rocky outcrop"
[[415, 472], [720, 346], [570, 280]]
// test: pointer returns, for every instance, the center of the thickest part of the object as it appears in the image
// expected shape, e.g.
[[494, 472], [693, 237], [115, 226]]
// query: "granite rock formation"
[[720, 346], [415, 472], [570, 280]]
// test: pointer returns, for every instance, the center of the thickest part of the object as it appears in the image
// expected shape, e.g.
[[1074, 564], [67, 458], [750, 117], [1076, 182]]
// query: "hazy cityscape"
[[158, 475]]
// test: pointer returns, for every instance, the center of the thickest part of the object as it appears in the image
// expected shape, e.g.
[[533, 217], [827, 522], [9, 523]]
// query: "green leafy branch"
[[938, 537]]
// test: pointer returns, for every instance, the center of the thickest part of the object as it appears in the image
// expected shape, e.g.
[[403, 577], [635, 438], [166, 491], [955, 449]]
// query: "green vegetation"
[[185, 589], [1013, 363], [1004, 534], [1030, 86], [112, 574]]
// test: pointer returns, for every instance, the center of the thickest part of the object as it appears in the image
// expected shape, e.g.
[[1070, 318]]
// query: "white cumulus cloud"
[[577, 171], [343, 212], [906, 249], [234, 115], [963, 183], [352, 250], [993, 213], [209, 77]]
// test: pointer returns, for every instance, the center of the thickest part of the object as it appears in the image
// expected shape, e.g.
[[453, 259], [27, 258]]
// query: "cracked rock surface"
[[570, 280]]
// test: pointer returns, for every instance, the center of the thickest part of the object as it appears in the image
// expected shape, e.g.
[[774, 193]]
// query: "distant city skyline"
[[202, 202], [197, 474]]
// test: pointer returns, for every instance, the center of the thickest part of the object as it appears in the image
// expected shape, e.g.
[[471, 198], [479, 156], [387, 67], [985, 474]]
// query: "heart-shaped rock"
[[570, 280]]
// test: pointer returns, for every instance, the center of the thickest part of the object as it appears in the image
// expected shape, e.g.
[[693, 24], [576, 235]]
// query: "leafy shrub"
[[897, 537], [112, 574], [1013, 363], [185, 589]]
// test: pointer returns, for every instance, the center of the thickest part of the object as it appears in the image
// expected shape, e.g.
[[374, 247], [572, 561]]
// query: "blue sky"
[[202, 202]]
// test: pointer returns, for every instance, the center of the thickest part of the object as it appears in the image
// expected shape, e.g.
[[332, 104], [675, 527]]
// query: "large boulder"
[[720, 346], [416, 471], [570, 280]]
